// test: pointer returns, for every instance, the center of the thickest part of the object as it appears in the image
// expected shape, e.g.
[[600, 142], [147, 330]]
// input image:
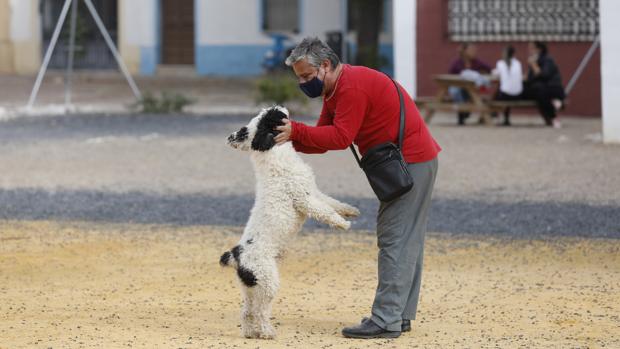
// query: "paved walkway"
[[111, 227], [78, 285], [108, 92], [522, 181]]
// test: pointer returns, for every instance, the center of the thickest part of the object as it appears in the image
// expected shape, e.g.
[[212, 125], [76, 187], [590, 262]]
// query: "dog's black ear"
[[263, 141], [265, 130]]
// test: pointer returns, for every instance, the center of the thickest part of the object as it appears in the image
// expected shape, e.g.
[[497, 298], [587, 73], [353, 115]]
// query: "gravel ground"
[[84, 285], [521, 181]]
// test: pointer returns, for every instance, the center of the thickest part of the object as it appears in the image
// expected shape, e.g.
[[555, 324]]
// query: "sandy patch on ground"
[[75, 285]]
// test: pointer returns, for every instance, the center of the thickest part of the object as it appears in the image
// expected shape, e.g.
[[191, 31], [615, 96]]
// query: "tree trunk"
[[369, 15]]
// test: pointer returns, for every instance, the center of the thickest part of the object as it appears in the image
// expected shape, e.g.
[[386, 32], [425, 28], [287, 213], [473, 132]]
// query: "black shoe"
[[462, 116], [549, 121], [368, 329], [405, 325]]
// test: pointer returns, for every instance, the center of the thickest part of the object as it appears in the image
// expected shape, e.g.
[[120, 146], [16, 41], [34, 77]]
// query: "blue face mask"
[[312, 88]]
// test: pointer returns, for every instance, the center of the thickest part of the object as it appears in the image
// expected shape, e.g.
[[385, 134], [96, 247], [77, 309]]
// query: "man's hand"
[[285, 132]]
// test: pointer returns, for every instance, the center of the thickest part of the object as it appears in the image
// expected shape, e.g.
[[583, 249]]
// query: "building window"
[[523, 20], [91, 51], [281, 15]]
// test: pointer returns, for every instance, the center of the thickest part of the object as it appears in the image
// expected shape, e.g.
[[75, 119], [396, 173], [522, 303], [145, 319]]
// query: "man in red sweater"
[[361, 106]]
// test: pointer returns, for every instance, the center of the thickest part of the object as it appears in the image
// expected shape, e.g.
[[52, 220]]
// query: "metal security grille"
[[91, 51], [523, 20]]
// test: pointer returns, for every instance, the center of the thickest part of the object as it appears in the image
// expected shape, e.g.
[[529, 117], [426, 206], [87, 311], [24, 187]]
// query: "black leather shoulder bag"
[[385, 166]]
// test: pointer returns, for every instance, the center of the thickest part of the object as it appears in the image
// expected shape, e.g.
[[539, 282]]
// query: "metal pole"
[[582, 65], [110, 43], [48, 53], [69, 72]]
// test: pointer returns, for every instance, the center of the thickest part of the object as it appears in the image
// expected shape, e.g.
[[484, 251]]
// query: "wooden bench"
[[477, 103], [522, 103], [442, 100]]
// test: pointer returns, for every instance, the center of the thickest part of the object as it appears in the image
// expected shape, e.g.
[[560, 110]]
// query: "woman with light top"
[[510, 74]]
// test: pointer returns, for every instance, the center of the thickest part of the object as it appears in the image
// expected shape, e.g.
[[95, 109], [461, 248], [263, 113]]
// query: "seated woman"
[[544, 83], [467, 61], [510, 74]]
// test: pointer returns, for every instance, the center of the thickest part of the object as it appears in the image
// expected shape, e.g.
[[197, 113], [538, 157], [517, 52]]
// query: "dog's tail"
[[226, 259], [231, 258]]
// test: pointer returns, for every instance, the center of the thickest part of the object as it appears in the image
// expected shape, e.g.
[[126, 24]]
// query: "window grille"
[[523, 20]]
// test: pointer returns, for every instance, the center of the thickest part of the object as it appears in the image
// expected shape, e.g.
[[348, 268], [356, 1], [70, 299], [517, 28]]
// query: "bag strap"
[[401, 129]]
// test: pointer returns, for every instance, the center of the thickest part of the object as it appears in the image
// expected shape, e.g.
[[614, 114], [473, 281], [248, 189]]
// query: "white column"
[[20, 20], [138, 24], [610, 70], [25, 34], [404, 12]]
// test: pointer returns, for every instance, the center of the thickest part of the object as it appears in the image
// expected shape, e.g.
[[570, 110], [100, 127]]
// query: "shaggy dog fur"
[[286, 194]]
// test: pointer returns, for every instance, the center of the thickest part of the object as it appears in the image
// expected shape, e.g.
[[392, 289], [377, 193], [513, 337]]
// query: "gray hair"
[[314, 51]]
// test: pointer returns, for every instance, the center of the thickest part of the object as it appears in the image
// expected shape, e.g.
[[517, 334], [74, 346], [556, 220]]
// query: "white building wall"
[[20, 27], [231, 22], [238, 22], [139, 22], [404, 22], [610, 70], [320, 16], [230, 40], [139, 34], [25, 35]]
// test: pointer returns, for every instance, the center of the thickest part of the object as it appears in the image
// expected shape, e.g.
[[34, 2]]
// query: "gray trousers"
[[401, 227]]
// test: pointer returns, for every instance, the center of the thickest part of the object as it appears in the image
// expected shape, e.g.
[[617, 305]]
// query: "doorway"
[[177, 18]]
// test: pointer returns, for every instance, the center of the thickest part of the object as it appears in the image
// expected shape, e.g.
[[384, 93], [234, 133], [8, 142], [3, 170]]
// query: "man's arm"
[[341, 132], [324, 119]]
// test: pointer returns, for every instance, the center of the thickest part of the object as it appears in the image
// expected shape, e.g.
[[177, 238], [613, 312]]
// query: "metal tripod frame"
[[69, 70]]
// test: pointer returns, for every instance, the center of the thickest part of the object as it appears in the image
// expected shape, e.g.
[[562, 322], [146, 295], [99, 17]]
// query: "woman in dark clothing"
[[544, 83]]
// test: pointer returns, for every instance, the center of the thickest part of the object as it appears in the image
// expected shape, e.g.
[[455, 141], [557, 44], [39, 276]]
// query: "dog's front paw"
[[344, 225], [350, 212]]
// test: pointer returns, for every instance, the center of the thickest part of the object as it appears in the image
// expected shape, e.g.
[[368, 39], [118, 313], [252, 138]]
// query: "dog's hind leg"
[[263, 294], [342, 208], [249, 328], [322, 212]]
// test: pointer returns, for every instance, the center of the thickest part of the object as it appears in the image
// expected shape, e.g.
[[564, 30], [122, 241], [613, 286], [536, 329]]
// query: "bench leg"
[[485, 118], [428, 115]]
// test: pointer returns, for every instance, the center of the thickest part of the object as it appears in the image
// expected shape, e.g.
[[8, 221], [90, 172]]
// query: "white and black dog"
[[286, 194]]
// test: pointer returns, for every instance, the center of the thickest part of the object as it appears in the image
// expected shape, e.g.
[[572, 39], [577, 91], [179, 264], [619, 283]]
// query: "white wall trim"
[[610, 70], [140, 22], [404, 29], [20, 26]]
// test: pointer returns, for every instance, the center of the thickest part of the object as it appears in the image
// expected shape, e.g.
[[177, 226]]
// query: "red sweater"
[[364, 109]]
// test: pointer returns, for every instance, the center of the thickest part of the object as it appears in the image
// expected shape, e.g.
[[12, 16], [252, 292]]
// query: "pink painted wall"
[[435, 52]]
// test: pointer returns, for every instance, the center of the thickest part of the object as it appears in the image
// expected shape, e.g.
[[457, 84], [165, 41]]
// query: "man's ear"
[[327, 65], [263, 140]]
